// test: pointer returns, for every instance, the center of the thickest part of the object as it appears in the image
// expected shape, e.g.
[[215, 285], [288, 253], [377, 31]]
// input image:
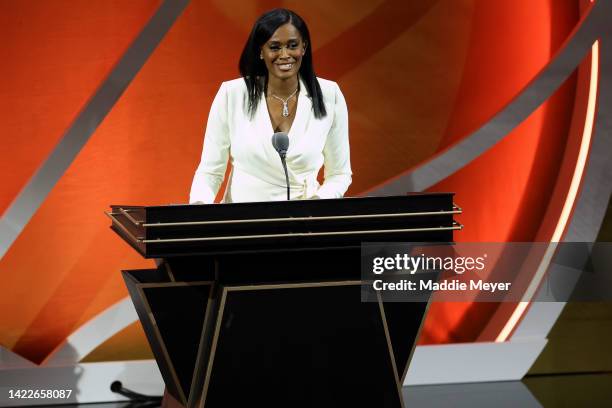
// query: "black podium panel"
[[173, 316], [404, 331], [298, 345]]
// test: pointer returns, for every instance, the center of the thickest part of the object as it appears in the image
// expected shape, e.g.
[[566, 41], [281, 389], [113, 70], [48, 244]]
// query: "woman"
[[278, 92]]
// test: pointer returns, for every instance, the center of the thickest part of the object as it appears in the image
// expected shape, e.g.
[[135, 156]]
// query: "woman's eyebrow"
[[278, 41]]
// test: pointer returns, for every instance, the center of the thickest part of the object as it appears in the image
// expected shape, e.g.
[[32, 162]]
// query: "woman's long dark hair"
[[254, 71]]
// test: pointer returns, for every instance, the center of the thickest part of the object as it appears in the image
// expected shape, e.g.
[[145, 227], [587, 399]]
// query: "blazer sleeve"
[[336, 153], [209, 174]]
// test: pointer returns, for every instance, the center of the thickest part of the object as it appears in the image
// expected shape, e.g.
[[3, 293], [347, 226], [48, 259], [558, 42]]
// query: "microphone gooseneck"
[[118, 388], [280, 141]]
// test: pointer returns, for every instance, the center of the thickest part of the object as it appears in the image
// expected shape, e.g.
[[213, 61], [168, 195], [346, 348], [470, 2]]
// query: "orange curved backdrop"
[[418, 77]]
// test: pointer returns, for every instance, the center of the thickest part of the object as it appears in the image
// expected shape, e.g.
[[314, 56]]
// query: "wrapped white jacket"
[[257, 173]]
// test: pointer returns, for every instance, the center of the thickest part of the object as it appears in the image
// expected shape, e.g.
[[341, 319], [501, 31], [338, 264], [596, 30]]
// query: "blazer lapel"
[[264, 133], [302, 115]]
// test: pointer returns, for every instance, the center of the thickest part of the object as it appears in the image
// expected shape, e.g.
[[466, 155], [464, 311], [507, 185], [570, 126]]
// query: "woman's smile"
[[285, 66]]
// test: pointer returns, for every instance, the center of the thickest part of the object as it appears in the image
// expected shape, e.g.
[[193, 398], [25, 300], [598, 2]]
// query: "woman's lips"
[[285, 67]]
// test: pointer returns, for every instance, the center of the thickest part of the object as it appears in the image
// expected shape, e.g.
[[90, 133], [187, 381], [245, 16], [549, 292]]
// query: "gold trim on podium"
[[142, 240], [383, 317], [414, 343], [300, 234], [456, 210]]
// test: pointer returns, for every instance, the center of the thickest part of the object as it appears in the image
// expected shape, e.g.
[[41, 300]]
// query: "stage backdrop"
[[418, 77]]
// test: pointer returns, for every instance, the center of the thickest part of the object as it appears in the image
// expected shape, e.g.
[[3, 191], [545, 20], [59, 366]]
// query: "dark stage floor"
[[581, 390]]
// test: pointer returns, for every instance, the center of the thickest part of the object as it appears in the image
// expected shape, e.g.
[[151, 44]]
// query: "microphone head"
[[116, 386], [280, 141]]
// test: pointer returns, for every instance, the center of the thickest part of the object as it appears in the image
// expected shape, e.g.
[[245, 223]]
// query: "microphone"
[[117, 388], [280, 141]]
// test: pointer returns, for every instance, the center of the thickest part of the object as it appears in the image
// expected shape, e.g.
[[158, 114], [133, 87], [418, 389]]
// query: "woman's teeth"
[[285, 67]]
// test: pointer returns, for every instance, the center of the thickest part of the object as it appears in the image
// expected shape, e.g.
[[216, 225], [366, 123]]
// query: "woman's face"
[[283, 52]]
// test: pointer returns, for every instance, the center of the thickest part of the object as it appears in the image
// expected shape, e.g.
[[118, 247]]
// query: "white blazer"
[[257, 172]]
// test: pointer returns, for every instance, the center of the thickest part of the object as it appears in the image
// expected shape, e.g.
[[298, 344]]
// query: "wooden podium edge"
[[383, 318]]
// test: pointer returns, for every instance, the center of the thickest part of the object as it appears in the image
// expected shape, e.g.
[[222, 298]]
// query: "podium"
[[259, 304]]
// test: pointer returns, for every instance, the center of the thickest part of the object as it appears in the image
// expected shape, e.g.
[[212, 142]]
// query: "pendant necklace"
[[284, 101]]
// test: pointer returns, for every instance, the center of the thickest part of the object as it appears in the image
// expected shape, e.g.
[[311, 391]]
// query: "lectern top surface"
[[175, 230]]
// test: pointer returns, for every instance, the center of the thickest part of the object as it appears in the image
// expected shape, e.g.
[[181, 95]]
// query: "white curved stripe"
[[93, 333], [10, 360], [569, 200]]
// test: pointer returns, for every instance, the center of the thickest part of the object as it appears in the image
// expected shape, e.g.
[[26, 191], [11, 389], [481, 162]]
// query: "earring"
[[260, 56]]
